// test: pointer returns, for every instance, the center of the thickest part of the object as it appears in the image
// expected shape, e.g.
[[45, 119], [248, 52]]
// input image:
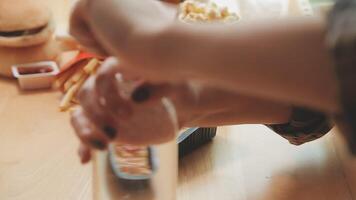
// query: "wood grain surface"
[[38, 158], [253, 163]]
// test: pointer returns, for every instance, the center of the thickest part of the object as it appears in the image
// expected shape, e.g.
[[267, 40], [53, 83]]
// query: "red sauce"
[[34, 70], [173, 1]]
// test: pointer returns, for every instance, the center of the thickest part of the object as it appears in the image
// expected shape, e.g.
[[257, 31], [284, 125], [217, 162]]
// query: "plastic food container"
[[142, 160], [188, 140], [161, 185], [39, 75]]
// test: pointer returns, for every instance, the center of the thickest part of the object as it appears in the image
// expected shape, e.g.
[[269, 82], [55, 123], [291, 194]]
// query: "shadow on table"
[[7, 80], [13, 82], [219, 153], [198, 157], [34, 92], [208, 158]]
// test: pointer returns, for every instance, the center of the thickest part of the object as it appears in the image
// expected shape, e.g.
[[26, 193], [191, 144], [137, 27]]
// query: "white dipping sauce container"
[[39, 75]]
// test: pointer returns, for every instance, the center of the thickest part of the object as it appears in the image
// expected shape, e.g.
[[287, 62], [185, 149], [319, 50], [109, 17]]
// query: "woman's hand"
[[108, 114], [127, 29], [106, 102]]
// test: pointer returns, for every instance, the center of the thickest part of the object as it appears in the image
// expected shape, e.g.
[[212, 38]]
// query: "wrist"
[[108, 23], [281, 115], [172, 47], [186, 102]]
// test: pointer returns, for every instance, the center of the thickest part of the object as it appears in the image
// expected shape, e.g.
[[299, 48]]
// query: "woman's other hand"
[[108, 114]]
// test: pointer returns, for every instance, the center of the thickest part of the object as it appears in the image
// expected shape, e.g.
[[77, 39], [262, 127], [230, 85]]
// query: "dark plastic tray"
[[194, 138]]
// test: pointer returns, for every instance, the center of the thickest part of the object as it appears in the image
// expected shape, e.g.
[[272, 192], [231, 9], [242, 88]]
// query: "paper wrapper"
[[163, 184]]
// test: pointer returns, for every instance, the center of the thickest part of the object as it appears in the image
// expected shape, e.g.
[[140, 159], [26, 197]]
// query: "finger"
[[86, 131], [95, 109], [109, 90], [84, 153]]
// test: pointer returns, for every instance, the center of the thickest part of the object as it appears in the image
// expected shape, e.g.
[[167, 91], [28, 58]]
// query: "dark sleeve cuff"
[[341, 38], [304, 126]]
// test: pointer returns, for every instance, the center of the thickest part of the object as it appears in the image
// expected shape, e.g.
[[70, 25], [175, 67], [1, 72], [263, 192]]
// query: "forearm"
[[285, 60], [267, 114], [208, 106]]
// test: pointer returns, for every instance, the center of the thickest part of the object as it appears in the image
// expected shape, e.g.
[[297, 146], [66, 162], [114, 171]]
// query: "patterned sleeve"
[[304, 126], [341, 38]]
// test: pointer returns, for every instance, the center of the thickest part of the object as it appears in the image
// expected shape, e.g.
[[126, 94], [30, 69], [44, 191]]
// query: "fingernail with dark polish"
[[141, 94], [110, 131], [97, 144]]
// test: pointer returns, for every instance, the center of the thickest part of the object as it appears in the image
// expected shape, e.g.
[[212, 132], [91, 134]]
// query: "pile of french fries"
[[71, 79]]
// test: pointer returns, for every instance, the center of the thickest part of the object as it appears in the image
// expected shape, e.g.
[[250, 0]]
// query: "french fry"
[[66, 101], [59, 82], [72, 91], [91, 67], [73, 80], [62, 78], [83, 56], [78, 75], [75, 101]]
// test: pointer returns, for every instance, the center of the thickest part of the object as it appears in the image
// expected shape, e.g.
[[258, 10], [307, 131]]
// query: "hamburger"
[[27, 34]]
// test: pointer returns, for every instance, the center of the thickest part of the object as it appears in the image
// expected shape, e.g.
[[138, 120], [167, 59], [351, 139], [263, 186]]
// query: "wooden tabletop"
[[38, 159], [250, 162]]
